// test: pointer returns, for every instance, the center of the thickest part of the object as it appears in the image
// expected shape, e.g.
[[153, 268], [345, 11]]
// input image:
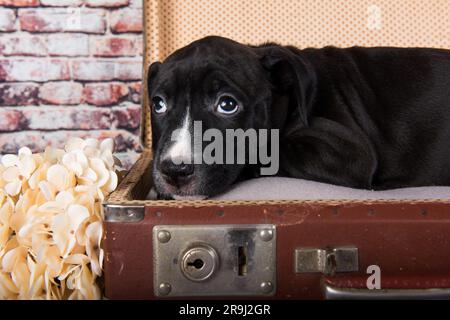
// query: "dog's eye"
[[159, 105], [227, 105]]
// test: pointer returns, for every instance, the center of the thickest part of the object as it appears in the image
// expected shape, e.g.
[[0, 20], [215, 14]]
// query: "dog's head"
[[223, 85]]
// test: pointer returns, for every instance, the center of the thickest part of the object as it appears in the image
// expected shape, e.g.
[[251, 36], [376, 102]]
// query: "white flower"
[[51, 220], [65, 226], [8, 290], [61, 178], [6, 211], [94, 232], [76, 161], [18, 170]]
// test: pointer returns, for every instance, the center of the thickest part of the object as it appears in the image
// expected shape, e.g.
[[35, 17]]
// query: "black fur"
[[372, 118]]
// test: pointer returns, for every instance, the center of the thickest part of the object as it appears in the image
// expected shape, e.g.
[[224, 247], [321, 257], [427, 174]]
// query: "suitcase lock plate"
[[220, 260]]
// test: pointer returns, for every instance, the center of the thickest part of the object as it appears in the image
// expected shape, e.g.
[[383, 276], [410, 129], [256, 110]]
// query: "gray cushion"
[[277, 188]]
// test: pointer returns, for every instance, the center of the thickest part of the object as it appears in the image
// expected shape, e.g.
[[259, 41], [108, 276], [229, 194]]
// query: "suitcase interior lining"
[[134, 188]]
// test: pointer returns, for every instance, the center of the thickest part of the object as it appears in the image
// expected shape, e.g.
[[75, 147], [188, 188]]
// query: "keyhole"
[[197, 264]]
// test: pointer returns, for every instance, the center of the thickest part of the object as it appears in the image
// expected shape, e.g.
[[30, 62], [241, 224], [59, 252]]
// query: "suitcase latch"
[[327, 261]]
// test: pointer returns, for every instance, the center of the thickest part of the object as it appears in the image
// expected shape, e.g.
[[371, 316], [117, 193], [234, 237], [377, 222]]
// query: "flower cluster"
[[51, 220]]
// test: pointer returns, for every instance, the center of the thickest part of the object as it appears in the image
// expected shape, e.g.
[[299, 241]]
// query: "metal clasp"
[[327, 261]]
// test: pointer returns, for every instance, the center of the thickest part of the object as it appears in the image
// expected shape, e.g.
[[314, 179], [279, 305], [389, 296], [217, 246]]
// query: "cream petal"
[[69, 270], [77, 214], [83, 189], [5, 233], [48, 190], [70, 162], [13, 188], [107, 145], [11, 174], [91, 152], [34, 179], [112, 182], [52, 155], [6, 211], [58, 176], [51, 257], [13, 257], [108, 158], [64, 198], [26, 229], [101, 257], [78, 259], [8, 290], [37, 283], [87, 286], [9, 160], [21, 277], [90, 175], [81, 234], [59, 228], [75, 295], [100, 169], [30, 263], [81, 158], [51, 207], [94, 232], [27, 166], [25, 151]]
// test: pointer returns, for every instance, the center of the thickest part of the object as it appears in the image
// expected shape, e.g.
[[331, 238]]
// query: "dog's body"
[[371, 118]]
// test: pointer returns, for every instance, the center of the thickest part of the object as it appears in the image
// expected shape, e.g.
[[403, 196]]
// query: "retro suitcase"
[[300, 249]]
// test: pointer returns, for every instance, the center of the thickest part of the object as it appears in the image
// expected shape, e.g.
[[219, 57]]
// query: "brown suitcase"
[[278, 249]]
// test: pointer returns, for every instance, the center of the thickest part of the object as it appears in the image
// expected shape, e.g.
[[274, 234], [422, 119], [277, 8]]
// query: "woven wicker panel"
[[171, 24]]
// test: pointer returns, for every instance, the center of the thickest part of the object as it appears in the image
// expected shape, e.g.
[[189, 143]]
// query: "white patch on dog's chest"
[[180, 152]]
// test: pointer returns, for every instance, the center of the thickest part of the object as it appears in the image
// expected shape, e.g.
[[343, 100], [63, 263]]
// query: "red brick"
[[140, 45], [57, 118], [23, 45], [7, 20], [38, 140], [107, 3], [11, 120], [19, 3], [40, 70], [135, 92], [102, 94], [105, 70], [71, 45], [129, 70], [136, 3], [62, 3], [113, 47], [93, 70], [63, 20], [61, 93], [126, 20], [127, 116], [19, 94]]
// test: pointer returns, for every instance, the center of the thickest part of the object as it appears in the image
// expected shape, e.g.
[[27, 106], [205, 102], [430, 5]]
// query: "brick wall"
[[70, 68]]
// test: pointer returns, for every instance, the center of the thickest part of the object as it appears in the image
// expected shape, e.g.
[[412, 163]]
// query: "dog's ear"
[[289, 76], [152, 72]]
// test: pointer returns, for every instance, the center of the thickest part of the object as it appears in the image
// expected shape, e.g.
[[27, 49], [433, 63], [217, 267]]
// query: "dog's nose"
[[177, 173]]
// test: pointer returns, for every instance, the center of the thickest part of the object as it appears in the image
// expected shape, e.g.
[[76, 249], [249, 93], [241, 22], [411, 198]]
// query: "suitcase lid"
[[172, 24]]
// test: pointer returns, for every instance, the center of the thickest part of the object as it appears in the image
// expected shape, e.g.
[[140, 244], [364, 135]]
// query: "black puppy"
[[372, 118]]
